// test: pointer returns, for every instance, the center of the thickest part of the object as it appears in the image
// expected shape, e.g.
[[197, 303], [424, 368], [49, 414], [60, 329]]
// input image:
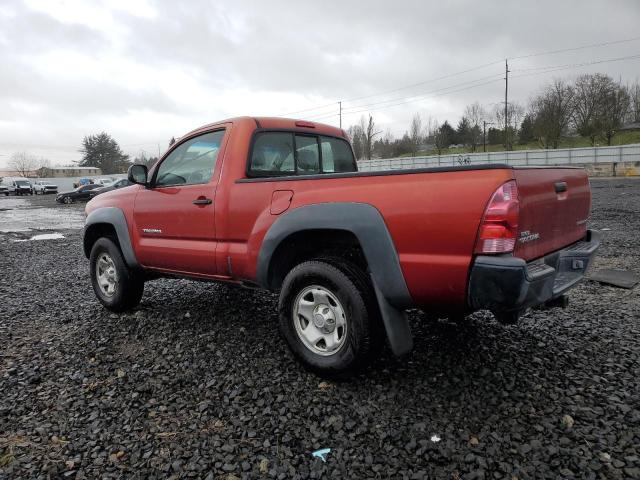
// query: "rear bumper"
[[509, 284]]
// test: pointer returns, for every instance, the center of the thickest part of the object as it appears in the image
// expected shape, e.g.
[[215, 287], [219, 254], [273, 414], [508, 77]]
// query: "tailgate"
[[554, 206]]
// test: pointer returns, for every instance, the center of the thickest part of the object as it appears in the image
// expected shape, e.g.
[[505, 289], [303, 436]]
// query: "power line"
[[443, 77], [424, 93], [411, 101], [478, 67], [386, 92], [415, 97], [555, 68], [423, 96], [332, 104], [573, 49]]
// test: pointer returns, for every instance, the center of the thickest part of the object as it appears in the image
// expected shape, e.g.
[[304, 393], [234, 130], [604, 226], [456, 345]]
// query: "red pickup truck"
[[279, 204]]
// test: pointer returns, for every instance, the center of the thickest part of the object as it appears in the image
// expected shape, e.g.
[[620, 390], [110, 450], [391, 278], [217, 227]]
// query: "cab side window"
[[336, 155], [192, 162]]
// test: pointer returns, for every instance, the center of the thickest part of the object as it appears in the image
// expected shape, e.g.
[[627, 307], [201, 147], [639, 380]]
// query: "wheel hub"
[[320, 320], [324, 318], [106, 275]]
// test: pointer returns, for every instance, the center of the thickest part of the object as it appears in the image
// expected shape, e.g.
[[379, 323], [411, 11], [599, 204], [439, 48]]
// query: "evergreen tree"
[[463, 132], [103, 152], [526, 130]]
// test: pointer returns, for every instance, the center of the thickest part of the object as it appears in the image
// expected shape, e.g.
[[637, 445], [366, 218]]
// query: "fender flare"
[[115, 217], [368, 226]]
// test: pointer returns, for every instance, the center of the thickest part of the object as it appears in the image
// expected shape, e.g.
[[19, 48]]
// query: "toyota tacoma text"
[[279, 204]]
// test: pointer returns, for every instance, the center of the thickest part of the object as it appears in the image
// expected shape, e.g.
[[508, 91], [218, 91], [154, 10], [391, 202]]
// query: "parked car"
[[105, 182], [43, 187], [18, 185], [279, 204], [124, 182], [80, 193], [4, 190], [83, 181]]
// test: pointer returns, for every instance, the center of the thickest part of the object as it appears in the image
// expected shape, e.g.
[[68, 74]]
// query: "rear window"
[[288, 153]]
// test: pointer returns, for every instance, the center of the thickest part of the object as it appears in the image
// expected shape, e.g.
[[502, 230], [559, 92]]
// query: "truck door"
[[174, 216]]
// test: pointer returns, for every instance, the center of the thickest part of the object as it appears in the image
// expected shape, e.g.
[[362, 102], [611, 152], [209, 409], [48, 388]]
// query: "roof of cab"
[[277, 123]]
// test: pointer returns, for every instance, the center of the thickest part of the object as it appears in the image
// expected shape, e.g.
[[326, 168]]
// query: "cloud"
[[148, 70]]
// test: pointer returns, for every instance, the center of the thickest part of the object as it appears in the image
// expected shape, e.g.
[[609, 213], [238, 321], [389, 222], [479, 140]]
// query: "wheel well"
[[96, 231], [307, 244]]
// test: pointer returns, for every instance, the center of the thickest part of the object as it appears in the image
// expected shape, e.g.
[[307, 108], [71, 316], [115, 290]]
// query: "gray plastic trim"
[[361, 219], [114, 216]]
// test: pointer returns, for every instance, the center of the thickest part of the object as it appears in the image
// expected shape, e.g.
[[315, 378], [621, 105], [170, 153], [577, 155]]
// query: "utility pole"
[[340, 107], [506, 93]]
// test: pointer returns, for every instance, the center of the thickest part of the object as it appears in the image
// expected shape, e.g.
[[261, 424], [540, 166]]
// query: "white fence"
[[565, 156]]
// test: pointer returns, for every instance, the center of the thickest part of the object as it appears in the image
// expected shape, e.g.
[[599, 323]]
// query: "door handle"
[[560, 187], [202, 201]]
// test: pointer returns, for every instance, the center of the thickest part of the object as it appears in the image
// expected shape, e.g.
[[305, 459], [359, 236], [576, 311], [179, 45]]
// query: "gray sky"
[[145, 70]]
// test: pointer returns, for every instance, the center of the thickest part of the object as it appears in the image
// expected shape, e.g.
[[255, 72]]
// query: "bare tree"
[[384, 146], [588, 107], [356, 136], [144, 159], [634, 107], [415, 133], [44, 163], [370, 132], [23, 163], [552, 111], [430, 129], [475, 114], [515, 114], [616, 103]]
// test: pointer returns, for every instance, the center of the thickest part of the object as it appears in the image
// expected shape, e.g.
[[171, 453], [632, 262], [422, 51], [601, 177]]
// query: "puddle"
[[47, 236], [11, 203], [18, 215], [42, 236]]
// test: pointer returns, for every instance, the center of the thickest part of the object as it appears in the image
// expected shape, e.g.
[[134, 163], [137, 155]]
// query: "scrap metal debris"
[[617, 278]]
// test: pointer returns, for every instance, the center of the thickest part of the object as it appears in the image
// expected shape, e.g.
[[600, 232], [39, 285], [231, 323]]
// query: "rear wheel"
[[118, 287], [328, 318]]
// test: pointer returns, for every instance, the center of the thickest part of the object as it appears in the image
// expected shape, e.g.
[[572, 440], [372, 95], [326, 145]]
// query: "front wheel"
[[68, 200], [118, 287], [328, 317]]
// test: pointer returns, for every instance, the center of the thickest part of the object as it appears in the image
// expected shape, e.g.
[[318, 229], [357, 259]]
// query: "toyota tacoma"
[[279, 204]]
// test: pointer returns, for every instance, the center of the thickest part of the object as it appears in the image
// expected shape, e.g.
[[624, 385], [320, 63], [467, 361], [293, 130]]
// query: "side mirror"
[[137, 174]]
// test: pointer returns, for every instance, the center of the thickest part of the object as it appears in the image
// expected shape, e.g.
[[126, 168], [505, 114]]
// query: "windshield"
[[22, 183]]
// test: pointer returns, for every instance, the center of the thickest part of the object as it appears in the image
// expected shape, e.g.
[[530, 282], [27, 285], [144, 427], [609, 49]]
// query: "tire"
[[68, 200], [318, 284], [129, 285]]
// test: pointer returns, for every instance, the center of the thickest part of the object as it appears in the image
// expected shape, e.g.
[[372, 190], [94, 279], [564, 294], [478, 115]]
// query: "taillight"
[[499, 228]]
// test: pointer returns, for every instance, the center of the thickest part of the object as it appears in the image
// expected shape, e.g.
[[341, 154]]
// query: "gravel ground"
[[197, 383]]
